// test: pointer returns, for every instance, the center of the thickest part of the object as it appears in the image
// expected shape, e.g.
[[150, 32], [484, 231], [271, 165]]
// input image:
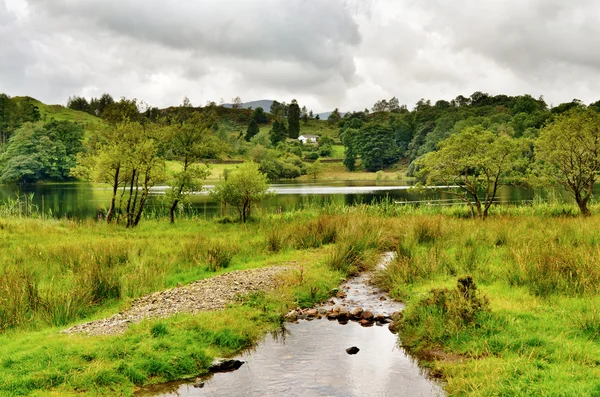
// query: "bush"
[[444, 312]]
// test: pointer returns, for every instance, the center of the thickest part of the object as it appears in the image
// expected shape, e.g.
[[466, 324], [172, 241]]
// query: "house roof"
[[308, 136]]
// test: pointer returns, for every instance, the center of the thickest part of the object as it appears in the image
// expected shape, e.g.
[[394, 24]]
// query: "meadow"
[[505, 306]]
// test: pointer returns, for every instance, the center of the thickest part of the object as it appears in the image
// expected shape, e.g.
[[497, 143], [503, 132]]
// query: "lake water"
[[83, 200]]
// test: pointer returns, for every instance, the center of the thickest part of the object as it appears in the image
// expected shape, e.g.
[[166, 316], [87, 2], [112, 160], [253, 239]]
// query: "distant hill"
[[263, 103]]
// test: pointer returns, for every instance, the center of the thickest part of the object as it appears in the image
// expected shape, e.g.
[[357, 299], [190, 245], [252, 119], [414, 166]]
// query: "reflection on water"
[[312, 361], [82, 200]]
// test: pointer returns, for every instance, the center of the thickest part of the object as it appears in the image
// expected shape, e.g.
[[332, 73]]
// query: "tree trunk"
[[128, 209], [111, 211], [172, 210], [582, 204]]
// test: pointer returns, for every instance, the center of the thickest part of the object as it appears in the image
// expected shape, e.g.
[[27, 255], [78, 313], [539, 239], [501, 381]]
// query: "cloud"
[[325, 53]]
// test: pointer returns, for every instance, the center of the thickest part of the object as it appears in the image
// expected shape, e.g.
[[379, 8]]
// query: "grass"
[[531, 327], [522, 320], [58, 273], [62, 113]]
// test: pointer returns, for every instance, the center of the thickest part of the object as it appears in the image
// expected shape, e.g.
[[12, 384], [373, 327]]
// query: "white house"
[[308, 138]]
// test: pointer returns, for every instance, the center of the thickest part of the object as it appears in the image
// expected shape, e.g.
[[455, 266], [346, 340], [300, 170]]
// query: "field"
[[505, 306]]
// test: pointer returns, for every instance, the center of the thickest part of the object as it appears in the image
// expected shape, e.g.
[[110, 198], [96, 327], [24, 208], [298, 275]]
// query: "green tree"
[[41, 151], [245, 187], [568, 152], [471, 165], [125, 155], [278, 133], [252, 130], [334, 117], [294, 120], [191, 142], [260, 116], [374, 143], [315, 169], [78, 103]]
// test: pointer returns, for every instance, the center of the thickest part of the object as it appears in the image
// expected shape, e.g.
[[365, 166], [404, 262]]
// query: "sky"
[[324, 53]]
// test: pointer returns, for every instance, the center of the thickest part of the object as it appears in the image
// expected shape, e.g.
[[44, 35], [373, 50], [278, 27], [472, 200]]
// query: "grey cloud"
[[315, 32]]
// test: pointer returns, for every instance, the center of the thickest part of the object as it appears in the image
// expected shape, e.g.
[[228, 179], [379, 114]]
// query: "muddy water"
[[309, 358]]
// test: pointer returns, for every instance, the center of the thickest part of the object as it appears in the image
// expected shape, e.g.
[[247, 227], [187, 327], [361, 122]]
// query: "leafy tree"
[[278, 133], [252, 130], [325, 146], [244, 187], [123, 111], [315, 169], [568, 151], [125, 155], [41, 151], [78, 103], [471, 164], [6, 118], [294, 120], [260, 116], [191, 142], [334, 117]]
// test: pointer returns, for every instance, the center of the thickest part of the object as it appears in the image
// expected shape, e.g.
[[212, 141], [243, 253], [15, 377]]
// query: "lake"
[[84, 200]]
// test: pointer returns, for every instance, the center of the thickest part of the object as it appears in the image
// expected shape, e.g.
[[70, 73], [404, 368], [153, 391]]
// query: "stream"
[[309, 358]]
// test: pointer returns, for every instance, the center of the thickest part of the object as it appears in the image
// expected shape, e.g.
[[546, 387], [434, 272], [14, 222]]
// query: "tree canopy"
[[471, 165], [243, 188], [568, 152]]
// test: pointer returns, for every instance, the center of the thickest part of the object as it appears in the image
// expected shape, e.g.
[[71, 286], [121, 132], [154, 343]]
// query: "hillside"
[[59, 112]]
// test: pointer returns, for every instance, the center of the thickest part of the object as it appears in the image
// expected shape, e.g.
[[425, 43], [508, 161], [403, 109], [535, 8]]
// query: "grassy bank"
[[529, 324], [523, 321], [58, 273]]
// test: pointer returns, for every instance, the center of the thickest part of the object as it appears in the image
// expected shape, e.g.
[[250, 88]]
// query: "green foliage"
[[278, 133], [294, 120], [373, 143], [41, 151], [191, 142], [475, 160], [252, 130], [245, 187], [568, 152]]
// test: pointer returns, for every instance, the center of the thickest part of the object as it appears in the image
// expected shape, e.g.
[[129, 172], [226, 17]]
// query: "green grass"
[[537, 335], [532, 327], [59, 273], [61, 113]]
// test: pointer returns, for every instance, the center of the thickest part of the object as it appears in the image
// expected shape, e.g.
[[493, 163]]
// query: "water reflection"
[[310, 360]]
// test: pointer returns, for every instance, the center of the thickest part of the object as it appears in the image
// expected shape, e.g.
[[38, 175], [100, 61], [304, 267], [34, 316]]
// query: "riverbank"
[[532, 325]]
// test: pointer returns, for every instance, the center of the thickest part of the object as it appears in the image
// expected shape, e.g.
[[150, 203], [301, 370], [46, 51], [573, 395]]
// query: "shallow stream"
[[309, 358]]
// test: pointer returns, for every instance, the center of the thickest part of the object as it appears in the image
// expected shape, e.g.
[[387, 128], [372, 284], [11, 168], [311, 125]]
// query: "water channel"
[[309, 358]]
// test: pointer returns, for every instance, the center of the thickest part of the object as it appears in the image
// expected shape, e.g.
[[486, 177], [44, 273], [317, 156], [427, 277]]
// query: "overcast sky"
[[324, 53]]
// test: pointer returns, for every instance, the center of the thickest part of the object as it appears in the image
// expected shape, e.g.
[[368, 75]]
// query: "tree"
[[260, 116], [41, 151], [471, 165], [191, 142], [125, 155], [375, 145], [245, 187], [278, 133], [334, 117], [294, 120], [568, 151], [315, 169], [252, 130], [236, 102], [78, 103]]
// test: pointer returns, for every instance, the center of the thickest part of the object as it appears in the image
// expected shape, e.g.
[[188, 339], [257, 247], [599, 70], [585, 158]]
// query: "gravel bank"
[[204, 295]]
